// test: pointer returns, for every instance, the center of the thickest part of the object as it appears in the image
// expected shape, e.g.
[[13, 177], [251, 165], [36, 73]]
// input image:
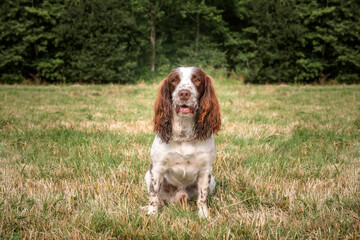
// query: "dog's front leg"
[[156, 178], [203, 190]]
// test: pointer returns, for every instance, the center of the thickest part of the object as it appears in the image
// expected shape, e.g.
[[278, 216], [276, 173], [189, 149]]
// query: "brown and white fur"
[[186, 116]]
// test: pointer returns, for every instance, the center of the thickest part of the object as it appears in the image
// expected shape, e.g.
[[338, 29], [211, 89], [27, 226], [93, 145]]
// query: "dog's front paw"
[[203, 212], [152, 210]]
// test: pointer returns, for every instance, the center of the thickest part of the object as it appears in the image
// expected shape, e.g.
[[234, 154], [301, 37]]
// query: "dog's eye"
[[196, 80], [173, 80]]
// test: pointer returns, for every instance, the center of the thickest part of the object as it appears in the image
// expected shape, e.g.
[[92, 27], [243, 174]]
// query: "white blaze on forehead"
[[185, 74]]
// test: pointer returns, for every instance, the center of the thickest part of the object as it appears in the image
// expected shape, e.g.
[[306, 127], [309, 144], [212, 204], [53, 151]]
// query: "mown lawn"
[[73, 160]]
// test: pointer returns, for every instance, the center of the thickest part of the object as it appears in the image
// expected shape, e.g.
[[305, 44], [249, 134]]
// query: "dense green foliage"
[[103, 41]]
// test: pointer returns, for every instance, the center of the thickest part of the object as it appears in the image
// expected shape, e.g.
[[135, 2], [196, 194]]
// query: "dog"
[[187, 114]]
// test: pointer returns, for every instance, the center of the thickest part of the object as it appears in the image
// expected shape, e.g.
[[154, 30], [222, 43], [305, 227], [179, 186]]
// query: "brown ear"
[[208, 117], [163, 113]]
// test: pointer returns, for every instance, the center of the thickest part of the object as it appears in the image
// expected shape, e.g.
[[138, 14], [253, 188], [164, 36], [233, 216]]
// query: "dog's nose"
[[184, 94]]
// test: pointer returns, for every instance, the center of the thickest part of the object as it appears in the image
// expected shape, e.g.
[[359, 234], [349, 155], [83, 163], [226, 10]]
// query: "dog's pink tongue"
[[184, 110]]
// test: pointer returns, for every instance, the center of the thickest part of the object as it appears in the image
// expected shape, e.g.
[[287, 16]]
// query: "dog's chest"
[[183, 161], [186, 155]]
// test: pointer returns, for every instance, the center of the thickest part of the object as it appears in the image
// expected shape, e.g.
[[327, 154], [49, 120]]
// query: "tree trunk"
[[197, 33], [153, 45], [37, 76]]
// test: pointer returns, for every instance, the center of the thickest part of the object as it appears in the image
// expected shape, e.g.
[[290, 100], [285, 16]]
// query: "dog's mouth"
[[185, 109]]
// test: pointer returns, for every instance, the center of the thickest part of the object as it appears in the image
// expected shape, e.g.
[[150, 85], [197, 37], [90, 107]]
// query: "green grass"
[[73, 160]]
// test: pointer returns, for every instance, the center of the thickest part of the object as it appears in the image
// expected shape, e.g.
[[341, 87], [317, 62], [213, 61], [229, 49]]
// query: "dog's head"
[[187, 92]]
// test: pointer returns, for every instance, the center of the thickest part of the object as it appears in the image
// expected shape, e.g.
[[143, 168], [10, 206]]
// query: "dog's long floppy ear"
[[163, 112], [208, 118]]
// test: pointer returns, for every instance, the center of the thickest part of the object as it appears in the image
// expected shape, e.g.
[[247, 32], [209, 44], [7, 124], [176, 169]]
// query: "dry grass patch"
[[134, 127], [257, 131]]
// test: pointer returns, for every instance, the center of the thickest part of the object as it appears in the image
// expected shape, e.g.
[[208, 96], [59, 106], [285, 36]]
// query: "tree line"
[[118, 41]]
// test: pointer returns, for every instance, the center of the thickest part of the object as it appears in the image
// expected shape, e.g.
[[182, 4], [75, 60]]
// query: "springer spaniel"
[[186, 116]]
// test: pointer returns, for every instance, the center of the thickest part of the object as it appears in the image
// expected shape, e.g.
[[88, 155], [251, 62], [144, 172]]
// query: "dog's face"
[[187, 92], [187, 87]]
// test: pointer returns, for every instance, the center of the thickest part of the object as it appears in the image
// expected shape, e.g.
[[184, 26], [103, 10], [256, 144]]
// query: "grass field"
[[73, 159]]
